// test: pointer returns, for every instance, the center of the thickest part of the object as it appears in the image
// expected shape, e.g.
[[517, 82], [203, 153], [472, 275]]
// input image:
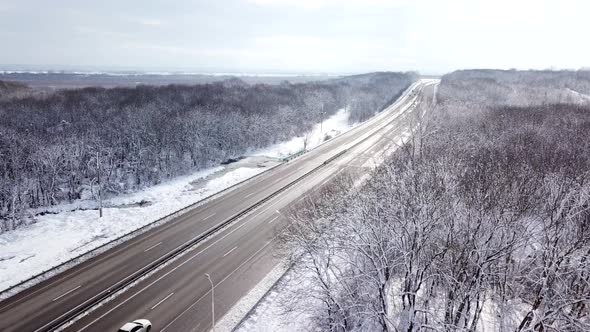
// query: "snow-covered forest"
[[516, 88], [54, 146], [481, 223]]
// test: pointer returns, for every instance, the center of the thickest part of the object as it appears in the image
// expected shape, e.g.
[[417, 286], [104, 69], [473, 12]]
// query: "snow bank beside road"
[[279, 310], [331, 127], [57, 238]]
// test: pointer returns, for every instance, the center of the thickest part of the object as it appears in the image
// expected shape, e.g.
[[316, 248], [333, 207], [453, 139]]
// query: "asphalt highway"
[[177, 296]]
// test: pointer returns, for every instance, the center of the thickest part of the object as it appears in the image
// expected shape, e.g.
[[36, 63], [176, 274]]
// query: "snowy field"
[[281, 310], [284, 309], [74, 229]]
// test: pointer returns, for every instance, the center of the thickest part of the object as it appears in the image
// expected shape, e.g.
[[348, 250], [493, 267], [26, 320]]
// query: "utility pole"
[[99, 185], [322, 120], [212, 302]]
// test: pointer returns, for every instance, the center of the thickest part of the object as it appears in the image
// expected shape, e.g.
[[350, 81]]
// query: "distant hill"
[[55, 80], [515, 88]]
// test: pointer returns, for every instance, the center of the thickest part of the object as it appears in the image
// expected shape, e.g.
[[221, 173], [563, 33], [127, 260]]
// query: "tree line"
[[482, 220], [52, 145]]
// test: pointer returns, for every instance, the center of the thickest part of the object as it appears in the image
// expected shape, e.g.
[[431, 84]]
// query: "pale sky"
[[296, 36]]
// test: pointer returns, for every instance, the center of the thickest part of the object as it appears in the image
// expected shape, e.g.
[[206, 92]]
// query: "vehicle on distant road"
[[140, 325]]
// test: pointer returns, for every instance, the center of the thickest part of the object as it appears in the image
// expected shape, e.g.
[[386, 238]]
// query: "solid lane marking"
[[219, 283], [162, 300], [209, 216], [324, 182], [261, 212], [66, 293], [152, 247], [229, 252]]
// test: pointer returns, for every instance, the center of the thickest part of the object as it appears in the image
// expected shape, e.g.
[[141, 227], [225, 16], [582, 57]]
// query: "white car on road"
[[140, 325]]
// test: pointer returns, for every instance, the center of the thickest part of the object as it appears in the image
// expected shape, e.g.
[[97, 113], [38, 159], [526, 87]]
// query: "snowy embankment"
[[283, 308], [73, 229], [331, 127], [576, 97], [278, 308]]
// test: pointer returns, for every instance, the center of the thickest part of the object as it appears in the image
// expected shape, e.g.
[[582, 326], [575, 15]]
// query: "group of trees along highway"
[[50, 142], [483, 218]]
